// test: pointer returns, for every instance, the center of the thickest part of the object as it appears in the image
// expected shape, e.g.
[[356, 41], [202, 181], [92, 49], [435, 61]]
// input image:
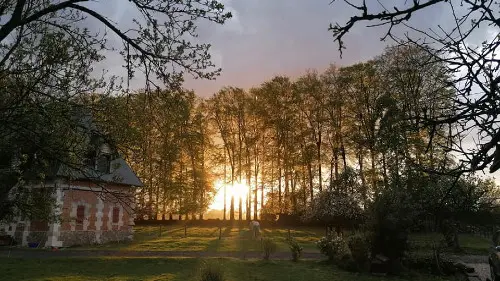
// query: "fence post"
[[289, 235], [220, 233], [185, 230]]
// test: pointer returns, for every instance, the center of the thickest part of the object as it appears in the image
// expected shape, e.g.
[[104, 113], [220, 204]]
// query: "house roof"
[[120, 173]]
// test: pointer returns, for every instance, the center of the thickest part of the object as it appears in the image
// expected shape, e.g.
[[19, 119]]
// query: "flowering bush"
[[333, 208], [334, 247]]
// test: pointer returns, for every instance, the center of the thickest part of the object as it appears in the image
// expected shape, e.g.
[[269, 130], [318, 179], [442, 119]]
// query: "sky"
[[265, 38]]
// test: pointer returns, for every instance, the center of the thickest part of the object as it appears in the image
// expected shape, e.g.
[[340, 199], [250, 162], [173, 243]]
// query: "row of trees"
[[288, 140]]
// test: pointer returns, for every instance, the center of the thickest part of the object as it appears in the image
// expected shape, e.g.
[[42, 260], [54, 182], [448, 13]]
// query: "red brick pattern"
[[90, 197]]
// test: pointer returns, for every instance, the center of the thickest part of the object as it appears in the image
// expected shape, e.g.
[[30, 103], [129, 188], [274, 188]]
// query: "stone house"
[[93, 204]]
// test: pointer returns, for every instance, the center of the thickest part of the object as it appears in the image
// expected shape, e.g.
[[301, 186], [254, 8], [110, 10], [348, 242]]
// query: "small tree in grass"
[[269, 247]]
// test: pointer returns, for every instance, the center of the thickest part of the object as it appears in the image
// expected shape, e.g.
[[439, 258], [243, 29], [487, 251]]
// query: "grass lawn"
[[177, 269], [207, 239], [147, 238], [471, 244]]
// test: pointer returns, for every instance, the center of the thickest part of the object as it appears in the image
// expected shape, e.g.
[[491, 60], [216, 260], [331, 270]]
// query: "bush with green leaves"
[[334, 247], [295, 248], [212, 272], [269, 247], [359, 246]]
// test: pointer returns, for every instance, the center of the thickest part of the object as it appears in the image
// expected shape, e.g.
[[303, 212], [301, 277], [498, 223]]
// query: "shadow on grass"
[[78, 269], [216, 244], [100, 269]]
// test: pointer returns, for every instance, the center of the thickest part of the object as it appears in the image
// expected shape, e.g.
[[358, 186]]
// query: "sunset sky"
[[278, 37], [281, 37]]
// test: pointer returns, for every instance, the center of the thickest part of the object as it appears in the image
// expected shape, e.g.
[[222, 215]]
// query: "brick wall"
[[97, 225]]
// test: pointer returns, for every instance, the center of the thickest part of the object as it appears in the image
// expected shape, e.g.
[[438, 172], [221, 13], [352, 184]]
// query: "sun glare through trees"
[[252, 129]]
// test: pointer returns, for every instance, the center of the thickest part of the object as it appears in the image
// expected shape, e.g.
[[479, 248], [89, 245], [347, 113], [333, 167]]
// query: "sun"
[[238, 190]]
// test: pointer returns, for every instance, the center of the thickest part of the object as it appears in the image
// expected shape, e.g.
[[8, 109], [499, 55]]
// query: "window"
[[103, 164], [116, 215], [80, 214]]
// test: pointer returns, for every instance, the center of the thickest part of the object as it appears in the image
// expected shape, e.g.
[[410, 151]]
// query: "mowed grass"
[[173, 238], [168, 269], [236, 239], [470, 244]]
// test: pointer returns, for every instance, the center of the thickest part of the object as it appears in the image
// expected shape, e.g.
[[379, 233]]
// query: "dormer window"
[[103, 163]]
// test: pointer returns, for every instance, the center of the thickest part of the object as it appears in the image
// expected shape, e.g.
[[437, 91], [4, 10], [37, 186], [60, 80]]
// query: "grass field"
[[207, 239], [471, 244], [147, 238], [79, 269]]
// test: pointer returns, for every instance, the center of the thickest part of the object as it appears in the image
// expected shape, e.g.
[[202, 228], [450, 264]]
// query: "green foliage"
[[360, 250], [392, 216], [269, 247], [295, 248], [334, 247], [211, 271], [334, 208]]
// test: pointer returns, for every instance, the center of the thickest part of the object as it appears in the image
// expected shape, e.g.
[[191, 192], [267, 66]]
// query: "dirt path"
[[27, 253]]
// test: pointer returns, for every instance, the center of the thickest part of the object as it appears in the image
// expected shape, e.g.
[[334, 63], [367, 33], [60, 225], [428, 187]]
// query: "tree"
[[311, 97], [47, 61], [223, 116], [476, 69]]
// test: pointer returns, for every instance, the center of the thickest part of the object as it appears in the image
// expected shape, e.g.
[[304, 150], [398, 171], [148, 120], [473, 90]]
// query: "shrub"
[[212, 272], [334, 247], [295, 248], [360, 250], [269, 247]]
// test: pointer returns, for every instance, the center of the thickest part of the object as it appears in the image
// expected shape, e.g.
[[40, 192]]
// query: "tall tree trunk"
[[280, 206], [240, 209], [231, 207], [384, 170], [304, 186], [332, 164], [362, 175], [286, 198], [311, 184], [293, 182], [249, 185], [336, 163], [224, 186], [344, 155], [272, 184], [320, 176], [374, 177], [256, 174]]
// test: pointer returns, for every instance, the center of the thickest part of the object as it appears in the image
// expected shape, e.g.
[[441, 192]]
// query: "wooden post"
[[220, 233], [289, 236], [185, 230]]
